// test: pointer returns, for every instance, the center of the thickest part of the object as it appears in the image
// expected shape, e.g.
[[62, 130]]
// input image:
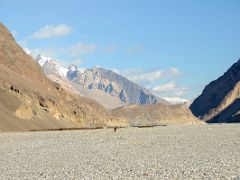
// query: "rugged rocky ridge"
[[219, 101], [113, 86], [117, 85], [156, 114], [29, 100], [51, 66], [105, 99], [67, 77], [93, 79]]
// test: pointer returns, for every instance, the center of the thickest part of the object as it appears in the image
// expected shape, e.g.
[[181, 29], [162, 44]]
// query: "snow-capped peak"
[[27, 51], [42, 59], [72, 68], [51, 65]]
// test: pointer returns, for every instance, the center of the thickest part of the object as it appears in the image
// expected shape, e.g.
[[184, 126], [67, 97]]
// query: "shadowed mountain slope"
[[109, 81], [219, 101]]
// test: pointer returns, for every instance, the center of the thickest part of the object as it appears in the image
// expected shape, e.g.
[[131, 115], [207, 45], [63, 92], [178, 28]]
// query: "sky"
[[172, 47]]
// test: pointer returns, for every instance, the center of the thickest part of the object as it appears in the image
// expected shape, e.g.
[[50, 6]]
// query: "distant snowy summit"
[[51, 66], [27, 51], [107, 81]]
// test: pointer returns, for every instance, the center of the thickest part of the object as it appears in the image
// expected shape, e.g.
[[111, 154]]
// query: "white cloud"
[[51, 31], [170, 89], [48, 31], [53, 52], [97, 66], [135, 49], [151, 76], [73, 51], [176, 100], [165, 87], [173, 72]]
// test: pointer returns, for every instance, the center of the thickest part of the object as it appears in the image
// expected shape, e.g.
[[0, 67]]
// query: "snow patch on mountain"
[[51, 65], [27, 51], [42, 60]]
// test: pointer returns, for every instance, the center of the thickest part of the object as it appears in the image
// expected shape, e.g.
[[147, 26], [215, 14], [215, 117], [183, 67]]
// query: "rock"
[[115, 85], [155, 115], [219, 101], [52, 105]]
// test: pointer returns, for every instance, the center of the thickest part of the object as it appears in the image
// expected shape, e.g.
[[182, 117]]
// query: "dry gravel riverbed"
[[172, 152]]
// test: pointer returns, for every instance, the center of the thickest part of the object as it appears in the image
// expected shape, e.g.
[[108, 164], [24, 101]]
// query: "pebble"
[[172, 152]]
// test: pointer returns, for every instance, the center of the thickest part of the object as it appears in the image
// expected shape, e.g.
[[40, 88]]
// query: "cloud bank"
[[73, 51], [151, 76], [168, 87], [51, 31]]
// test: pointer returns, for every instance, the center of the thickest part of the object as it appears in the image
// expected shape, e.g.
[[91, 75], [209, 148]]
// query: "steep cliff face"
[[29, 100], [103, 98], [219, 101], [93, 79], [116, 85], [113, 86]]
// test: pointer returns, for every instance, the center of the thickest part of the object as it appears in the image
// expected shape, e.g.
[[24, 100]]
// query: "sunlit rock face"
[[219, 101]]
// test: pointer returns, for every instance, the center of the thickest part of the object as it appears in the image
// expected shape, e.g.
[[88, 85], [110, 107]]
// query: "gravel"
[[172, 152]]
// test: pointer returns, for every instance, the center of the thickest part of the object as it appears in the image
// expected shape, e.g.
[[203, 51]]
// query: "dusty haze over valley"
[[119, 90]]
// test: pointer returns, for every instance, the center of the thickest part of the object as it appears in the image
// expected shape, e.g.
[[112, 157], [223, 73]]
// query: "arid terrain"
[[170, 152], [119, 90], [219, 101], [31, 101], [155, 114]]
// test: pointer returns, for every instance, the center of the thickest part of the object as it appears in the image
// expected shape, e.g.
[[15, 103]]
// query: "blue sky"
[[172, 47]]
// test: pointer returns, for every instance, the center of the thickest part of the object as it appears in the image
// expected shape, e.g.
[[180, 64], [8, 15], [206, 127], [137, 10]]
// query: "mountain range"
[[116, 90], [30, 101], [46, 95], [220, 100]]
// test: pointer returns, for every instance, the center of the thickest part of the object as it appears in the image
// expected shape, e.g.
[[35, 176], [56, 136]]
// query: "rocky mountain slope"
[[219, 101], [29, 100], [105, 99], [51, 66], [156, 114], [117, 85], [116, 88]]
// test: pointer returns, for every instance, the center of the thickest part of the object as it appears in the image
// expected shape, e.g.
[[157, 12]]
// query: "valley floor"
[[172, 152]]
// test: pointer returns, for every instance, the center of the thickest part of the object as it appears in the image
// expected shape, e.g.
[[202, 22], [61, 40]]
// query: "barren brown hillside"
[[28, 100], [156, 114]]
